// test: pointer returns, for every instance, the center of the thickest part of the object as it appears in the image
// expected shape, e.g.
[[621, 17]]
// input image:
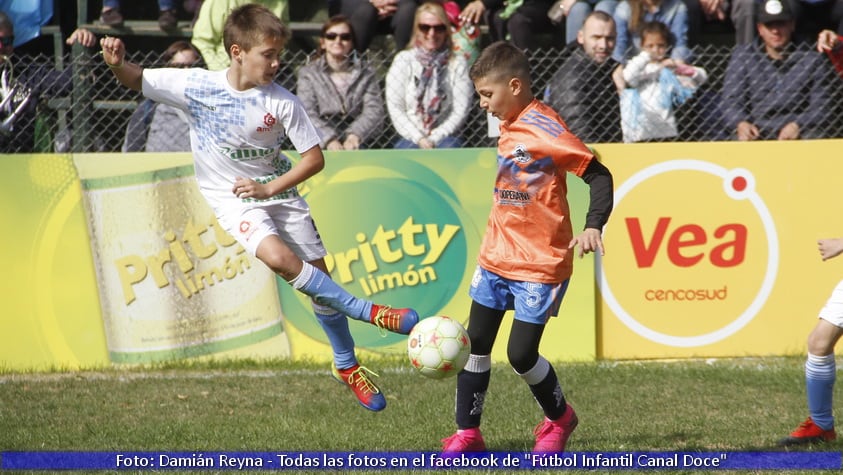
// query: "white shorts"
[[832, 312], [288, 219]]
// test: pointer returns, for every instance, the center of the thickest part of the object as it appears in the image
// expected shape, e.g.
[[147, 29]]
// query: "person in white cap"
[[774, 89], [810, 16]]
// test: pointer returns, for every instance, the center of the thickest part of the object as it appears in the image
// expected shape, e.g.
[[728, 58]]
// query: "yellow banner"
[[711, 251], [711, 248], [116, 259]]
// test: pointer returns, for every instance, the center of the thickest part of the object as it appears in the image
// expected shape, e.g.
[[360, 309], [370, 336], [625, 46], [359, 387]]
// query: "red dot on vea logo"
[[739, 183]]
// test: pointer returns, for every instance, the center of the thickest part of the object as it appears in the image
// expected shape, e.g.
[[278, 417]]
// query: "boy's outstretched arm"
[[114, 55], [601, 194]]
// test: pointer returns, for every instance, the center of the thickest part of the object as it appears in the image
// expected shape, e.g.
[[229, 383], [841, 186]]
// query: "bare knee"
[[823, 338], [279, 258]]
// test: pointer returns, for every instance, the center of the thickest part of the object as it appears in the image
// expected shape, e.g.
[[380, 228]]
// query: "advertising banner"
[[117, 259], [711, 248]]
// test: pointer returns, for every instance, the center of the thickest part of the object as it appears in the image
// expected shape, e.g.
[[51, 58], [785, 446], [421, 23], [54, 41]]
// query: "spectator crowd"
[[394, 73]]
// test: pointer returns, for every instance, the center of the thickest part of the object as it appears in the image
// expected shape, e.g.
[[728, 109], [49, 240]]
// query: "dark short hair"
[[599, 15], [501, 60], [658, 28]]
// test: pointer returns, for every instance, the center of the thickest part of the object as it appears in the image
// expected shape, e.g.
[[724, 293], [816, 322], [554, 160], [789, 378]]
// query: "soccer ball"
[[438, 347]]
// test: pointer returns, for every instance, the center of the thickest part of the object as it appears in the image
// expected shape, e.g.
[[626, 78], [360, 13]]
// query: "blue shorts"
[[533, 302]]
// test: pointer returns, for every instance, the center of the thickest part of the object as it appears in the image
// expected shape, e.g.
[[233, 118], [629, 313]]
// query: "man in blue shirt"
[[773, 89]]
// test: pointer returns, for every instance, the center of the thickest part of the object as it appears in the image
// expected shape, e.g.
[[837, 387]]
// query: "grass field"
[[712, 405]]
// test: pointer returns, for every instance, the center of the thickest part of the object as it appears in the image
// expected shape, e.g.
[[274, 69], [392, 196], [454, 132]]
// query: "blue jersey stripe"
[[544, 123]]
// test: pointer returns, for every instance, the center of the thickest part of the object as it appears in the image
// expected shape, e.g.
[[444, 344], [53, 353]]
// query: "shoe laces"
[[545, 427], [360, 378], [385, 319], [807, 425]]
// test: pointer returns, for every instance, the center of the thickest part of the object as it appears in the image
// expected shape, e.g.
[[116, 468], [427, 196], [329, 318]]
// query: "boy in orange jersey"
[[525, 257]]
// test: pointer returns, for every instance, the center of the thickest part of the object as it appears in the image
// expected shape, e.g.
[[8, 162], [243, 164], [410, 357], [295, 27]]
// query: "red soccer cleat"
[[808, 433], [466, 440], [398, 320], [552, 436], [357, 379]]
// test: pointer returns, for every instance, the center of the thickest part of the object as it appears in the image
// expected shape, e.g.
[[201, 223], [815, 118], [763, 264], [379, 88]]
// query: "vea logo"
[[692, 253]]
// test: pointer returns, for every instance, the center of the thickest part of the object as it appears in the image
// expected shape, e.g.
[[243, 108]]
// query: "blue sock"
[[324, 291], [336, 327], [820, 373]]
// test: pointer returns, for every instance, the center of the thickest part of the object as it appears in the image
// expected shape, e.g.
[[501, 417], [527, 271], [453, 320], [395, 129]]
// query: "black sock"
[[471, 394], [549, 395]]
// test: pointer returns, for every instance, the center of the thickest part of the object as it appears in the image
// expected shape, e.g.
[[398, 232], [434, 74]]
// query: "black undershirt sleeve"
[[601, 193]]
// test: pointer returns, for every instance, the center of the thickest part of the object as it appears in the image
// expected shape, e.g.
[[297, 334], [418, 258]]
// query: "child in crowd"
[[238, 120], [656, 85], [525, 259]]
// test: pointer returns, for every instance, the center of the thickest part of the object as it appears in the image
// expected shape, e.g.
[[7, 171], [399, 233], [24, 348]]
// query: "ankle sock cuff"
[[304, 276], [537, 373], [479, 363]]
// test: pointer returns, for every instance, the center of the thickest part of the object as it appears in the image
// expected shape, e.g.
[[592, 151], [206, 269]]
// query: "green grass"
[[714, 405]]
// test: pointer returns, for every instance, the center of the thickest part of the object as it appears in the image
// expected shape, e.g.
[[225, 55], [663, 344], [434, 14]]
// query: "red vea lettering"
[[695, 237], [644, 254], [728, 253], [737, 246]]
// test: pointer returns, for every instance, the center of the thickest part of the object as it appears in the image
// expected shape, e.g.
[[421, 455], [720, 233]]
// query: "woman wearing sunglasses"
[[428, 91], [340, 91]]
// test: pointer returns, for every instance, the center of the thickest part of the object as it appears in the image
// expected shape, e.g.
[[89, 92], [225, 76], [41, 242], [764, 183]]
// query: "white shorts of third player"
[[290, 220], [832, 312]]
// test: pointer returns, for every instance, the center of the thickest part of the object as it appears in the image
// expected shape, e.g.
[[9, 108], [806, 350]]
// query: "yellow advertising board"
[[710, 251], [116, 259], [711, 248]]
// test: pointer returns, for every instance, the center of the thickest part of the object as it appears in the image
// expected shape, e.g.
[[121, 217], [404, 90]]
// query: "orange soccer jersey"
[[529, 227]]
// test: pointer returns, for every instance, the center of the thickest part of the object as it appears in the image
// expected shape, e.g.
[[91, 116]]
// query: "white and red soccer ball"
[[438, 347]]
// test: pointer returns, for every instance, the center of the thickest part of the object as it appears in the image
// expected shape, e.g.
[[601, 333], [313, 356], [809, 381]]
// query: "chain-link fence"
[[82, 108]]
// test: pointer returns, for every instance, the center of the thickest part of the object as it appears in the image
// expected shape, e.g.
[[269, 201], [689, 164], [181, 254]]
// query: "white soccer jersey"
[[233, 133]]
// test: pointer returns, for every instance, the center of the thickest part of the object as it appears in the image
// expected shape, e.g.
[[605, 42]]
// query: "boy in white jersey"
[[238, 119]]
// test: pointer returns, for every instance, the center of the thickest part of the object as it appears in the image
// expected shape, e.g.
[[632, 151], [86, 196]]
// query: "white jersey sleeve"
[[165, 85], [297, 123]]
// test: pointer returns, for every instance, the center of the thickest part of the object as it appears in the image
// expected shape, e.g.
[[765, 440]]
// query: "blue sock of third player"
[[820, 374], [336, 328], [319, 286]]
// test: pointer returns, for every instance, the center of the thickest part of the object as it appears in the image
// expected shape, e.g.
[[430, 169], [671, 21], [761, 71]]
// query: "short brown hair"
[[501, 60], [250, 24]]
